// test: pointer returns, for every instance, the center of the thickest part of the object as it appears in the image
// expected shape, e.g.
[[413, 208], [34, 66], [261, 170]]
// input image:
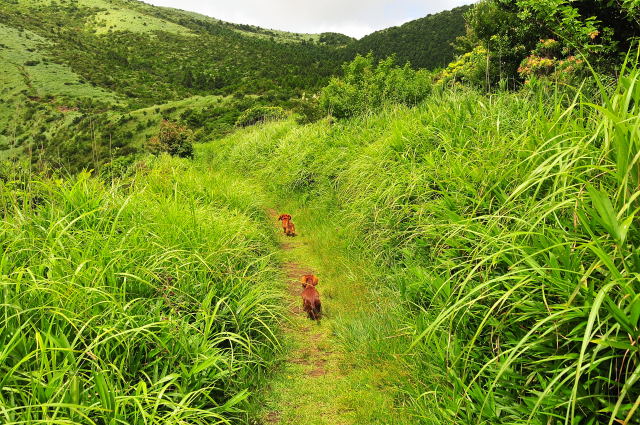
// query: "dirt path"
[[321, 382]]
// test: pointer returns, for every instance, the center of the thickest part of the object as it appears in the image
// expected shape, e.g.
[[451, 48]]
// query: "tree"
[[367, 85], [511, 30], [173, 139]]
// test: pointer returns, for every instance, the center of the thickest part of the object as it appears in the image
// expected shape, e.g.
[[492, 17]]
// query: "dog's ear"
[[281, 217], [315, 280]]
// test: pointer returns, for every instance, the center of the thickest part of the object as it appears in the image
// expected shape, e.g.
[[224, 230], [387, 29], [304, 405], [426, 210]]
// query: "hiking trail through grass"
[[321, 380]]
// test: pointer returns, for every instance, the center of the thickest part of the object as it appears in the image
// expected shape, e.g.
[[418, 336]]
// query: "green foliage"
[[510, 30], [173, 139], [335, 39], [308, 110], [470, 68], [119, 167], [260, 114], [130, 56], [505, 225], [93, 65], [425, 42], [148, 69], [547, 61], [366, 86], [593, 27], [146, 301]]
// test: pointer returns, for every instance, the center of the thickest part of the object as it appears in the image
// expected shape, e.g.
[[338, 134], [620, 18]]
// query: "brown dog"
[[310, 297], [291, 229], [310, 279], [285, 219]]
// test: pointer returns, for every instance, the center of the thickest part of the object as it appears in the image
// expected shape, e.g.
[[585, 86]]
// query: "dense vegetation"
[[513, 41], [80, 71], [494, 202], [121, 50], [85, 82], [148, 301], [425, 43], [505, 224], [367, 85]]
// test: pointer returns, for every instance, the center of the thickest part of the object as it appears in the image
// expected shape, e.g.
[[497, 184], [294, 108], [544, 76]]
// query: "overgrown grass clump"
[[145, 301], [507, 226]]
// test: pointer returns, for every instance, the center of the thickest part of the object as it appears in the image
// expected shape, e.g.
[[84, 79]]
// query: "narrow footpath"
[[323, 381]]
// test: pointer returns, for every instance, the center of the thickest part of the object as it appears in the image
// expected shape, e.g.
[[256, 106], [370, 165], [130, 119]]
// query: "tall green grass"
[[505, 224], [146, 301]]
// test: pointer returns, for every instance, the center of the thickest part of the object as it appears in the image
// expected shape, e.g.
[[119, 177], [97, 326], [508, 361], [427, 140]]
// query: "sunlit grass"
[[505, 224], [146, 302]]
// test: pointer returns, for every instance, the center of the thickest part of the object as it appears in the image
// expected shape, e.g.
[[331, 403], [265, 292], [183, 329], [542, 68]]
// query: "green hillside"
[[425, 42], [77, 71], [146, 54]]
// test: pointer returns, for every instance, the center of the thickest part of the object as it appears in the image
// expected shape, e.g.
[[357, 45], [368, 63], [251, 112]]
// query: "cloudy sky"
[[353, 17]]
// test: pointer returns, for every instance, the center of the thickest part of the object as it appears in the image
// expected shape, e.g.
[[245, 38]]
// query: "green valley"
[[69, 62]]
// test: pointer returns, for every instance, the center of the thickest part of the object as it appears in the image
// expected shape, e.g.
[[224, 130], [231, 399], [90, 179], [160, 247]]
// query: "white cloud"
[[352, 17]]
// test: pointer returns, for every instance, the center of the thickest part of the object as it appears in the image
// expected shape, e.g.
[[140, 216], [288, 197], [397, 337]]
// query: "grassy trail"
[[323, 379]]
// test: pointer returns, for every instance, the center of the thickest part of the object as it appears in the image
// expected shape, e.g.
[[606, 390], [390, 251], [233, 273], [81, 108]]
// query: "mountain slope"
[[425, 42], [73, 70], [76, 71], [151, 54]]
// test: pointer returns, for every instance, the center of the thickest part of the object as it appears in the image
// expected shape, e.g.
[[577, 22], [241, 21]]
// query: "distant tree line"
[[425, 43]]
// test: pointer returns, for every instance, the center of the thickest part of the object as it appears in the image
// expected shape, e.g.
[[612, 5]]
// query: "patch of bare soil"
[[287, 246], [316, 373], [272, 418]]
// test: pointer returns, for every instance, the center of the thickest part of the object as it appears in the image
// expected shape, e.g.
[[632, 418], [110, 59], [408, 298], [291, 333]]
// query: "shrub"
[[308, 111], [367, 86], [173, 139], [469, 68], [259, 114], [118, 167], [552, 61]]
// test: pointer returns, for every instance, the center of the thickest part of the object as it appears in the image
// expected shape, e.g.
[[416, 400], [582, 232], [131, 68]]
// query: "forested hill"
[[149, 54], [83, 80], [146, 54], [425, 42]]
